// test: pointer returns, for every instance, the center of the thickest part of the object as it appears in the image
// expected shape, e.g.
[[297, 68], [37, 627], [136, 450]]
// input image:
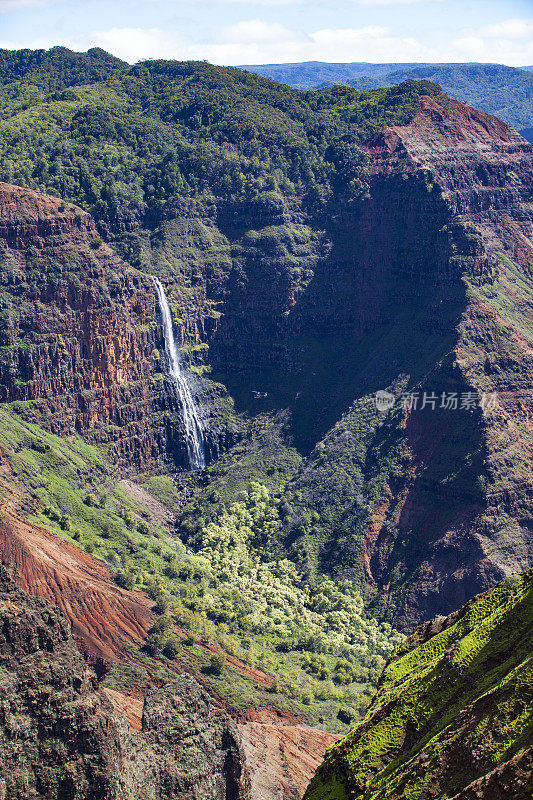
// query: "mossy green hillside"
[[228, 585], [453, 703]]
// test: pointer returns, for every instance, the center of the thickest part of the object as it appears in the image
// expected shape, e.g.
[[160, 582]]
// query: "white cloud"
[[393, 2], [295, 2], [256, 41], [45, 42], [507, 42], [249, 42], [251, 2], [13, 5], [258, 31], [509, 29], [133, 44]]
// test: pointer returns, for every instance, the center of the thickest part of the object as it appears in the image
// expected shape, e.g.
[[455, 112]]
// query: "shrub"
[[125, 579], [65, 522], [345, 715], [128, 519], [161, 603], [171, 571], [217, 663], [344, 671], [171, 649]]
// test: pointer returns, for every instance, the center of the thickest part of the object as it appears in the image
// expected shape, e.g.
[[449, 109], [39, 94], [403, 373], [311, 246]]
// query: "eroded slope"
[[453, 713]]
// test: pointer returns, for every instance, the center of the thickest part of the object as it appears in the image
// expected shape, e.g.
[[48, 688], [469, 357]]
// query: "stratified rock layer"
[[103, 616], [282, 759], [60, 736]]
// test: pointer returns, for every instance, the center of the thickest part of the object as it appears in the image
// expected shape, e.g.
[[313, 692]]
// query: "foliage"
[[130, 138], [464, 686]]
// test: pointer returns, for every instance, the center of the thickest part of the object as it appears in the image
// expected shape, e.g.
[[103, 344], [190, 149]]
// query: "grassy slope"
[[235, 593], [449, 708]]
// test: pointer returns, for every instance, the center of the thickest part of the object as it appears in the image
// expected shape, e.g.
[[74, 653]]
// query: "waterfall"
[[193, 427]]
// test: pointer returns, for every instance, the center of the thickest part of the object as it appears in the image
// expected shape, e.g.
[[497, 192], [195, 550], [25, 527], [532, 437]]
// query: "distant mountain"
[[496, 88]]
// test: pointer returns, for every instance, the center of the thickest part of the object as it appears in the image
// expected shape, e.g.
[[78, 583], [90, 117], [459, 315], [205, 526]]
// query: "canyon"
[[420, 279], [410, 275]]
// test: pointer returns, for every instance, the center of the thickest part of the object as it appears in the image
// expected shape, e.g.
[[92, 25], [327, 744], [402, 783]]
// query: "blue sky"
[[266, 31]]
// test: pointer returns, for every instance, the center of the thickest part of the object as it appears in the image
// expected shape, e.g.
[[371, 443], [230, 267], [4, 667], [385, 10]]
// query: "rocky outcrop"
[[60, 736]]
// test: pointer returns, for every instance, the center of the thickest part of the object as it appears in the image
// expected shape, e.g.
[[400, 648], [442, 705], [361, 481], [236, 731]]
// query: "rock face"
[[452, 716], [424, 285], [60, 736], [79, 334]]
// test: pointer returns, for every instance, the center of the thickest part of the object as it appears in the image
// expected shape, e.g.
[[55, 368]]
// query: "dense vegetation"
[[235, 593], [498, 89], [113, 138], [453, 704]]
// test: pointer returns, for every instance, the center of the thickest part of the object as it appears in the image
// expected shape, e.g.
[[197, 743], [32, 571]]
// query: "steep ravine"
[[424, 284]]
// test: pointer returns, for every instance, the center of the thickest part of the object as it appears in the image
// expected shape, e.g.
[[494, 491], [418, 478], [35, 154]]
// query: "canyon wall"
[[464, 518], [423, 285], [60, 734]]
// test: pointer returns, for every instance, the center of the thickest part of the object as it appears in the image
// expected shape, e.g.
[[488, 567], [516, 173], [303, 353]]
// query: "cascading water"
[[193, 427]]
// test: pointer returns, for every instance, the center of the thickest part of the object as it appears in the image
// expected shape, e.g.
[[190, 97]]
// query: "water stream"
[[193, 427]]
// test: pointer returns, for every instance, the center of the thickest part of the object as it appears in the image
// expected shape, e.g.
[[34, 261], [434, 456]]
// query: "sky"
[[278, 31]]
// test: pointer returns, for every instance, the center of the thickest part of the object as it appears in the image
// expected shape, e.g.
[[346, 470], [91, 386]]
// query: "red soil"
[[282, 759], [130, 707], [103, 616]]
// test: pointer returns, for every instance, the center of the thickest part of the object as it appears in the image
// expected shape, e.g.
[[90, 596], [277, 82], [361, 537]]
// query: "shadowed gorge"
[[265, 375]]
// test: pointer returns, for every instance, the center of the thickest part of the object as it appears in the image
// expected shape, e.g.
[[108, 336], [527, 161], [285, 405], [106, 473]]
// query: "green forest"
[[114, 138]]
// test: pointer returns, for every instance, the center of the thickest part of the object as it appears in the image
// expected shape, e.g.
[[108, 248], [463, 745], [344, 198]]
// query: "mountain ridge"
[[501, 90], [385, 246]]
